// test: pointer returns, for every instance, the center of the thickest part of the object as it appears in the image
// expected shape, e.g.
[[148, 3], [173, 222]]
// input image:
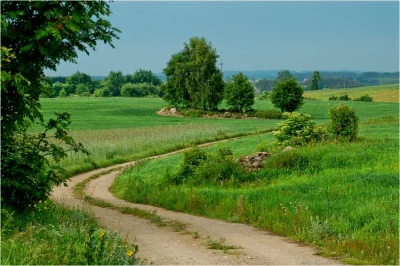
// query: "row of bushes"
[[363, 98], [132, 90], [228, 113]]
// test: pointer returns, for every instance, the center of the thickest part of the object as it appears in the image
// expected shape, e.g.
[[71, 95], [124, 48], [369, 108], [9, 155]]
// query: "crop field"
[[382, 93]]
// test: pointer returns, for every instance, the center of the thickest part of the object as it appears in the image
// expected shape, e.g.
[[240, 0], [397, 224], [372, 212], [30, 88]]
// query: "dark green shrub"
[[139, 90], [192, 112], [224, 152], [364, 98], [216, 169], [344, 98], [103, 92], [191, 159], [333, 98], [266, 114], [82, 90], [62, 93], [344, 122], [298, 129]]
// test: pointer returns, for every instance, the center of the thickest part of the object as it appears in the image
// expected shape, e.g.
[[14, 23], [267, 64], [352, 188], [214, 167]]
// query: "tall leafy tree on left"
[[35, 36]]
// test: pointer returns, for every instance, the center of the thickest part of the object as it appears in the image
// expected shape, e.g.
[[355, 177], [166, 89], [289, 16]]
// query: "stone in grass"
[[256, 164], [288, 148], [257, 159]]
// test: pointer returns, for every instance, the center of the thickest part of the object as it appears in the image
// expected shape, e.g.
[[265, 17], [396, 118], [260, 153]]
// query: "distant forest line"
[[265, 80]]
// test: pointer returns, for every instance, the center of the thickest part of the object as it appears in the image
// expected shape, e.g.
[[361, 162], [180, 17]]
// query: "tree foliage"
[[287, 95], [140, 90], [114, 83], [284, 74], [144, 76], [315, 81], [35, 36], [79, 78], [193, 79], [239, 93]]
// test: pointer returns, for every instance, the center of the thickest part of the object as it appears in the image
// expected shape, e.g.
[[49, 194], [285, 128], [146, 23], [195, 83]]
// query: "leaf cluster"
[[30, 162]]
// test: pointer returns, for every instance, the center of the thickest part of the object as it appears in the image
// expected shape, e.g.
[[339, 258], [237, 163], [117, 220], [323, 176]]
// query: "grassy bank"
[[340, 197], [50, 234]]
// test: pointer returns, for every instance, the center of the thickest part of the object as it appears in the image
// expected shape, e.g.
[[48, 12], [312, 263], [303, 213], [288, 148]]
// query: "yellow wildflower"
[[129, 253], [102, 233]]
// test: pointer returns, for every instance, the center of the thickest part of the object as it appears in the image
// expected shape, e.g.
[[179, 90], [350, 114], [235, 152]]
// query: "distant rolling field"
[[382, 93]]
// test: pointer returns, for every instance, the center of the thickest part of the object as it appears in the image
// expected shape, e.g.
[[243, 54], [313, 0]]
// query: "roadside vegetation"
[[50, 234]]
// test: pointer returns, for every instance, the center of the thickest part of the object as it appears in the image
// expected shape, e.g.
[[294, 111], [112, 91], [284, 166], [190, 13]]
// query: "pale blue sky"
[[251, 36]]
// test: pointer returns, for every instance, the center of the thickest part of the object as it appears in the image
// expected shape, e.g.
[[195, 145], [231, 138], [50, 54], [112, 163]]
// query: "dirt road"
[[162, 245]]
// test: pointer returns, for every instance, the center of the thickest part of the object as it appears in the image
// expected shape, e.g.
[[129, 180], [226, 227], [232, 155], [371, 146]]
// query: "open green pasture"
[[116, 130], [382, 93]]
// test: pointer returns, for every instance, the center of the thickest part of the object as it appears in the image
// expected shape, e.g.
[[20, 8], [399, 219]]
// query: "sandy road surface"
[[161, 245]]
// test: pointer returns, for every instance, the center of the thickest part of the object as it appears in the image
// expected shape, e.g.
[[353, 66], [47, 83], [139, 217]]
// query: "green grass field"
[[354, 187], [343, 198], [117, 130], [382, 93]]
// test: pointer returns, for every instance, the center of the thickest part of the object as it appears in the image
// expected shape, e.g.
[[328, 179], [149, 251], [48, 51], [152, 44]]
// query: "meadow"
[[382, 93], [116, 130], [342, 198]]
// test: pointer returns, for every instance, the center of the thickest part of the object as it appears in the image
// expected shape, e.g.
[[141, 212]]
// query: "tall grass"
[[341, 197], [53, 235], [117, 130]]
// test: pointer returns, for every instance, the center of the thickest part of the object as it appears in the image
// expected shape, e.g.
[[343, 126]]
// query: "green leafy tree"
[[62, 93], [35, 36], [128, 78], [193, 79], [79, 78], [285, 74], [82, 90], [57, 87], [114, 82], [47, 89], [239, 93], [287, 95], [145, 76], [315, 81]]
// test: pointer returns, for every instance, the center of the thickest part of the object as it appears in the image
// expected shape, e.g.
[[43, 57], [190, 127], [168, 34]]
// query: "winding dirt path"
[[162, 245]]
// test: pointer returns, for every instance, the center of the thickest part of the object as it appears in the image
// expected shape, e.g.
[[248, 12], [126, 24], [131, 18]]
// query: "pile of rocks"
[[254, 162], [168, 112]]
